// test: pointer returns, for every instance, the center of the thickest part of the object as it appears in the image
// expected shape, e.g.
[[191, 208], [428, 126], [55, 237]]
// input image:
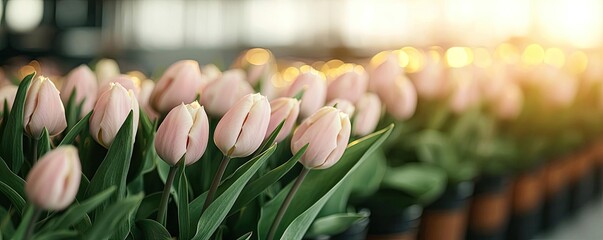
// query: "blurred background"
[[154, 33]]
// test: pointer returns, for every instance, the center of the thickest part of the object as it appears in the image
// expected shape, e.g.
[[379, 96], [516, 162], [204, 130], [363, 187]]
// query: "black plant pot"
[[357, 231], [581, 192], [488, 215], [393, 216], [598, 181], [446, 218], [524, 222], [555, 208]]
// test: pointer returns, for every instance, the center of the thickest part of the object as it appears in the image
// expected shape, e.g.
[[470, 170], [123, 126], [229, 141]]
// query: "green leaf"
[[183, 208], [422, 181], [334, 224], [12, 144], [43, 143], [13, 185], [76, 130], [152, 230], [270, 140], [232, 187], [316, 189], [6, 226], [20, 232], [247, 236], [114, 168], [78, 212], [13, 196], [112, 218], [255, 188], [149, 205], [72, 110], [57, 235]]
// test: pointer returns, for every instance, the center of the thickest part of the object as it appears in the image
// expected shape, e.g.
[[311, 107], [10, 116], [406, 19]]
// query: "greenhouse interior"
[[307, 119]]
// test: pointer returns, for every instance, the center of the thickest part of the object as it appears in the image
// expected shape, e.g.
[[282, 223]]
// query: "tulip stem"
[[216, 182], [35, 150], [288, 199], [32, 223], [161, 212]]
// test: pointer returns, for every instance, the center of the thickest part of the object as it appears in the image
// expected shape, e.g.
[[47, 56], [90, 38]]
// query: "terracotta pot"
[[526, 204], [446, 218], [489, 210]]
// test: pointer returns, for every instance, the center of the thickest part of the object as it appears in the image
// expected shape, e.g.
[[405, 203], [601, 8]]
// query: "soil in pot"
[[488, 212], [446, 218], [525, 206]]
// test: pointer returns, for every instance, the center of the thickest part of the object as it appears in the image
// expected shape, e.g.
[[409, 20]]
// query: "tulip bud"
[[383, 71], [124, 80], [241, 131], [184, 132], [146, 88], [430, 82], [343, 105], [110, 113], [326, 133], [508, 104], [220, 95], [368, 112], [401, 101], [179, 84], [43, 109], [315, 92], [211, 72], [8, 94], [83, 81], [257, 62], [286, 109], [53, 181], [465, 94], [106, 69], [349, 86]]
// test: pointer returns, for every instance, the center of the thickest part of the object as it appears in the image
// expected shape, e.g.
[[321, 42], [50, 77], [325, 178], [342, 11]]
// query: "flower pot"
[[581, 182], [525, 206], [488, 212], [598, 170], [357, 231], [446, 218], [394, 225], [556, 197]]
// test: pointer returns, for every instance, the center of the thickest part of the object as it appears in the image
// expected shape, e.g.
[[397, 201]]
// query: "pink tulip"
[[465, 93], [83, 81], [241, 131], [43, 109], [146, 88], [183, 133], [430, 82], [384, 74], [210, 72], [286, 109], [315, 92], [125, 81], [326, 133], [401, 101], [220, 95], [368, 112], [106, 69], [256, 69], [110, 113], [508, 104], [53, 181], [180, 83], [349, 86], [8, 94], [343, 105]]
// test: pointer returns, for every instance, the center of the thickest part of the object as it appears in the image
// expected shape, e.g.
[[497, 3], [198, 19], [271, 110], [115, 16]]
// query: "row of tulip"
[[451, 126]]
